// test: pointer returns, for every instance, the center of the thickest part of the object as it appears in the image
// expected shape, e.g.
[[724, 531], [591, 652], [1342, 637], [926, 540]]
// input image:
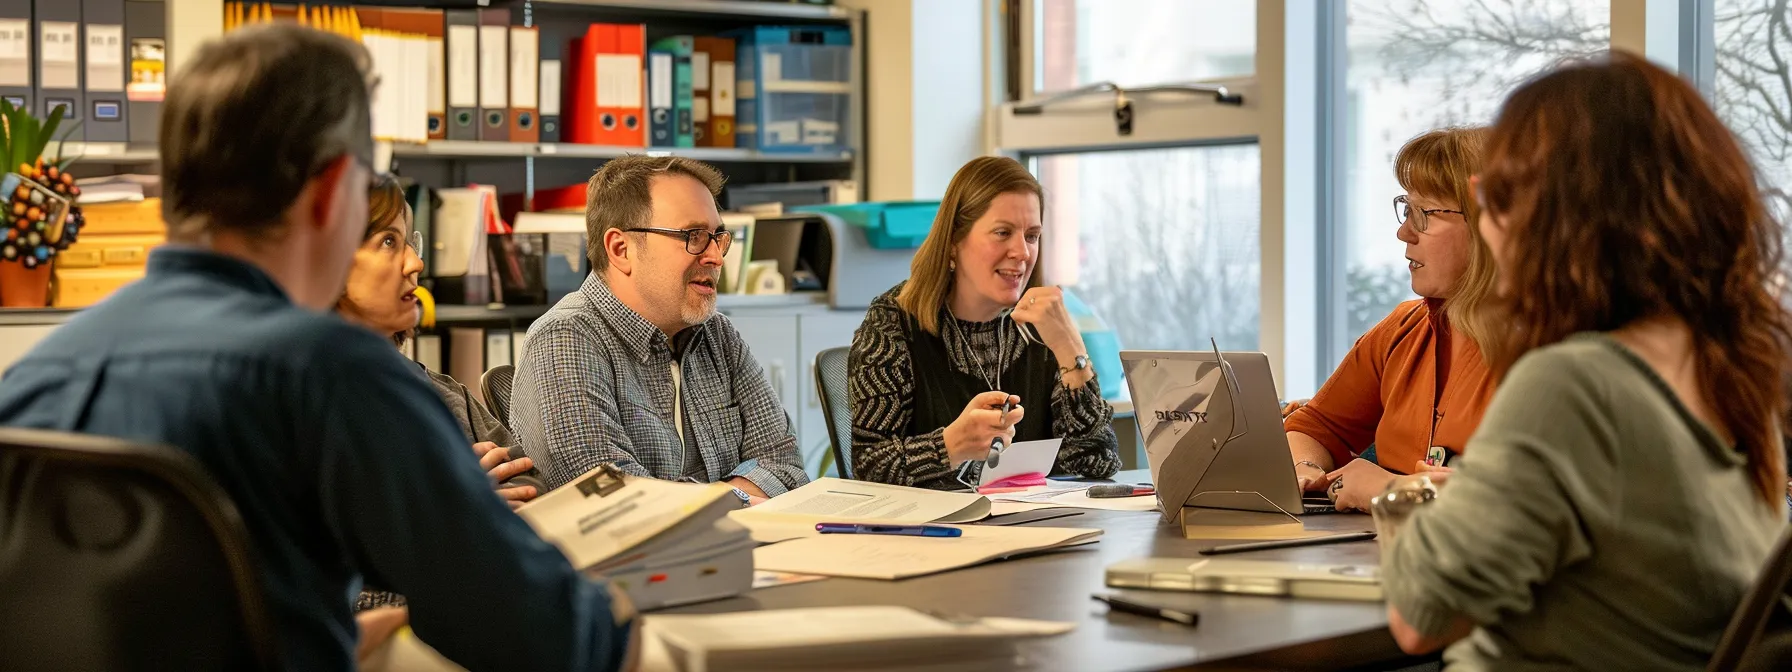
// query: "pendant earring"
[[952, 265]]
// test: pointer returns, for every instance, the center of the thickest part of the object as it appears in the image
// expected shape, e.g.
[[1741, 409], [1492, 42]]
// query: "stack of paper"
[[663, 543], [836, 638], [888, 556], [832, 500]]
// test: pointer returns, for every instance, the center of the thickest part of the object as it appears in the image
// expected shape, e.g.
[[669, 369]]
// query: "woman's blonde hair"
[[973, 189], [1437, 165]]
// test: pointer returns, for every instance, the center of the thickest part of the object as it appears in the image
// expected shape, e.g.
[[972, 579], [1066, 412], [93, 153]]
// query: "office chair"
[[1760, 633], [494, 385], [122, 556], [830, 385]]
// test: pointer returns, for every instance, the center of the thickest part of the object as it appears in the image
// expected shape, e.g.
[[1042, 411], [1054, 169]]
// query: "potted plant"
[[40, 215]]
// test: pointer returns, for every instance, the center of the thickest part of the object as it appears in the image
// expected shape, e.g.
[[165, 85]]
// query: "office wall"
[[925, 93]]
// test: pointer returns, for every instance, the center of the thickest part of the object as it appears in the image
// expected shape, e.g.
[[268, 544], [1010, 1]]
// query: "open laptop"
[[1213, 431]]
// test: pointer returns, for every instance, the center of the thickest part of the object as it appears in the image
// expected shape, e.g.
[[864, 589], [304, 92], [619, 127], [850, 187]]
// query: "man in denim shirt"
[[341, 459], [636, 368]]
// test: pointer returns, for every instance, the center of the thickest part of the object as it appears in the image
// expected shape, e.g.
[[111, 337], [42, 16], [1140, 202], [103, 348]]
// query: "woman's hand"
[[1438, 475], [1043, 307], [968, 437], [1361, 480], [497, 463], [1292, 406], [377, 626], [1311, 477]]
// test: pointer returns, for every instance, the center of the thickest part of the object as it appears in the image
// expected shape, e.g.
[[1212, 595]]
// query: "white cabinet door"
[[820, 331], [773, 341]]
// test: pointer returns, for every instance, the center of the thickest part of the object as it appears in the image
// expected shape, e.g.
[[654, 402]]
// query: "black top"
[[905, 386], [942, 392]]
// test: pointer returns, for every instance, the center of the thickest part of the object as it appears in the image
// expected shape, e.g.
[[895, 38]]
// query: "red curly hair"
[[1626, 198]]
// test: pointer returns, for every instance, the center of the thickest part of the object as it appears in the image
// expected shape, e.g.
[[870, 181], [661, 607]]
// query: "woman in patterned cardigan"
[[970, 331]]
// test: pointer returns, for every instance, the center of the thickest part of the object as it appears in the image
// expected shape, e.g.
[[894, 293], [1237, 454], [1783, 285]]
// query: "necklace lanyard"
[[994, 382]]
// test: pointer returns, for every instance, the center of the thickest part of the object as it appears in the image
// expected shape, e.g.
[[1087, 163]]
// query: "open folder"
[[832, 500], [661, 542], [887, 556]]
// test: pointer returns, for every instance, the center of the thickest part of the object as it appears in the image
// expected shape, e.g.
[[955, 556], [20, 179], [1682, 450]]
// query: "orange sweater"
[[1384, 392]]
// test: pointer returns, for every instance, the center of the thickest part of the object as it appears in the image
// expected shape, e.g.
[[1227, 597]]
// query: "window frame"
[[1279, 115]]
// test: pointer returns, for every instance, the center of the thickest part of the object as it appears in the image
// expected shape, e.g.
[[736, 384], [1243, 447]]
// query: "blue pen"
[[904, 530]]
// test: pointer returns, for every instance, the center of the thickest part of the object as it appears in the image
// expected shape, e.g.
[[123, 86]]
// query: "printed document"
[[889, 556]]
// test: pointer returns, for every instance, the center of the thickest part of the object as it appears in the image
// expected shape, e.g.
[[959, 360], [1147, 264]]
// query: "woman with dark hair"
[[1637, 425], [381, 295], [941, 354]]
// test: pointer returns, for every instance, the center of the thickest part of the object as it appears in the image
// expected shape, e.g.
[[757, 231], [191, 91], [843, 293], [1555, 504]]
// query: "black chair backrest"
[[1762, 612], [122, 556], [494, 385], [830, 385]]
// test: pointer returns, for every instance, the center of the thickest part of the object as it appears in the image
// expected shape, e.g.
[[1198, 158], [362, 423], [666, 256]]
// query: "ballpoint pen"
[[1172, 615], [901, 530], [995, 444]]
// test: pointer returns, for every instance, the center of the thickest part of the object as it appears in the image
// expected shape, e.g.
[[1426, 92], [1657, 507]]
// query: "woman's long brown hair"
[[1625, 198], [973, 188]]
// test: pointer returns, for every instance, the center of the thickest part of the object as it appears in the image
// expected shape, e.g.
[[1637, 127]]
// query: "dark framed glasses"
[[1417, 218], [697, 241]]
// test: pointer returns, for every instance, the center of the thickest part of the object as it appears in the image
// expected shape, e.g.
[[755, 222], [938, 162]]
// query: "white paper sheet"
[[848, 501], [1025, 457]]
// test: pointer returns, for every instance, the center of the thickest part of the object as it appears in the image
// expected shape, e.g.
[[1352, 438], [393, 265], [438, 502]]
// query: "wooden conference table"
[[1235, 632]]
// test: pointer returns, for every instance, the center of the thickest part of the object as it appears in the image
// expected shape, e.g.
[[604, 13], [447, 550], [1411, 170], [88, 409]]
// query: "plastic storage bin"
[[793, 88], [888, 225]]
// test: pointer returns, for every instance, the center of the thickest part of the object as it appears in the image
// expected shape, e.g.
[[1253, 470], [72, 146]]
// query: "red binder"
[[607, 104]]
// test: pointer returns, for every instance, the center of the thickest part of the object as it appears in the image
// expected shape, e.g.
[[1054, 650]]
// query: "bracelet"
[[1309, 463]]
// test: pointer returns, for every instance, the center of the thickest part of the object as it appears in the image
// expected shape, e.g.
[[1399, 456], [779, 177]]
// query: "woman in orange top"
[[1414, 387]]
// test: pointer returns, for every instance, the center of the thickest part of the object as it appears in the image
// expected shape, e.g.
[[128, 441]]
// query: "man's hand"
[[742, 484], [1363, 480], [497, 463]]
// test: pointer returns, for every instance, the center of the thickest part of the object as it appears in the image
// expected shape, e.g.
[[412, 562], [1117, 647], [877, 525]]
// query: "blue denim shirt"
[[341, 459]]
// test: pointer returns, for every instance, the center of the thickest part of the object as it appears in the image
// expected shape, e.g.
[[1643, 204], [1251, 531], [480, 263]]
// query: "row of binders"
[[473, 75], [101, 61]]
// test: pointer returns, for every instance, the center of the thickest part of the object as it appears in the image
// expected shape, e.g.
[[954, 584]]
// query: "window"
[[1161, 243], [1416, 65], [1753, 88], [1133, 42]]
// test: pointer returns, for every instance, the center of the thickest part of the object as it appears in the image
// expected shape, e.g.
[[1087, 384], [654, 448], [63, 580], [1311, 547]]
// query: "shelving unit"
[[112, 153], [714, 8], [453, 149]]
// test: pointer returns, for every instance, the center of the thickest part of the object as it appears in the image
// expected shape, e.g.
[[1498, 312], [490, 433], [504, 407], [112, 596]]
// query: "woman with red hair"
[[1627, 482]]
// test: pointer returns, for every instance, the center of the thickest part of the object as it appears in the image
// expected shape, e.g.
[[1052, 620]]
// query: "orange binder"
[[712, 91], [525, 84], [608, 98]]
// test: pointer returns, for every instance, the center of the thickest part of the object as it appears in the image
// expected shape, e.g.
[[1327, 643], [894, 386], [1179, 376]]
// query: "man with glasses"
[[344, 464], [636, 369]]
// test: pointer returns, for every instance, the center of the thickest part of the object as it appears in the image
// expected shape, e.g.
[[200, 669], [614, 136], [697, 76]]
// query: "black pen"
[[1288, 543], [1188, 618]]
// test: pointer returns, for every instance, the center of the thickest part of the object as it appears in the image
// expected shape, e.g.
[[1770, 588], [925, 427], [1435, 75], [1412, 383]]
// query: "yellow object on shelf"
[[428, 302], [142, 217]]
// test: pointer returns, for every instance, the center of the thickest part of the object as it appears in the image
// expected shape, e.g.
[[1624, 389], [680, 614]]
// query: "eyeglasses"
[[416, 243], [696, 241], [1404, 213]]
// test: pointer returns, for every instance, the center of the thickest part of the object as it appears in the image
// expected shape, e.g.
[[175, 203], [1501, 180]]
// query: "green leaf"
[[40, 138], [62, 143]]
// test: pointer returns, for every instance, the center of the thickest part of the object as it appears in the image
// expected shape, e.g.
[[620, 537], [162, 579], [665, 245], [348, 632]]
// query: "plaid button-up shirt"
[[595, 386]]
